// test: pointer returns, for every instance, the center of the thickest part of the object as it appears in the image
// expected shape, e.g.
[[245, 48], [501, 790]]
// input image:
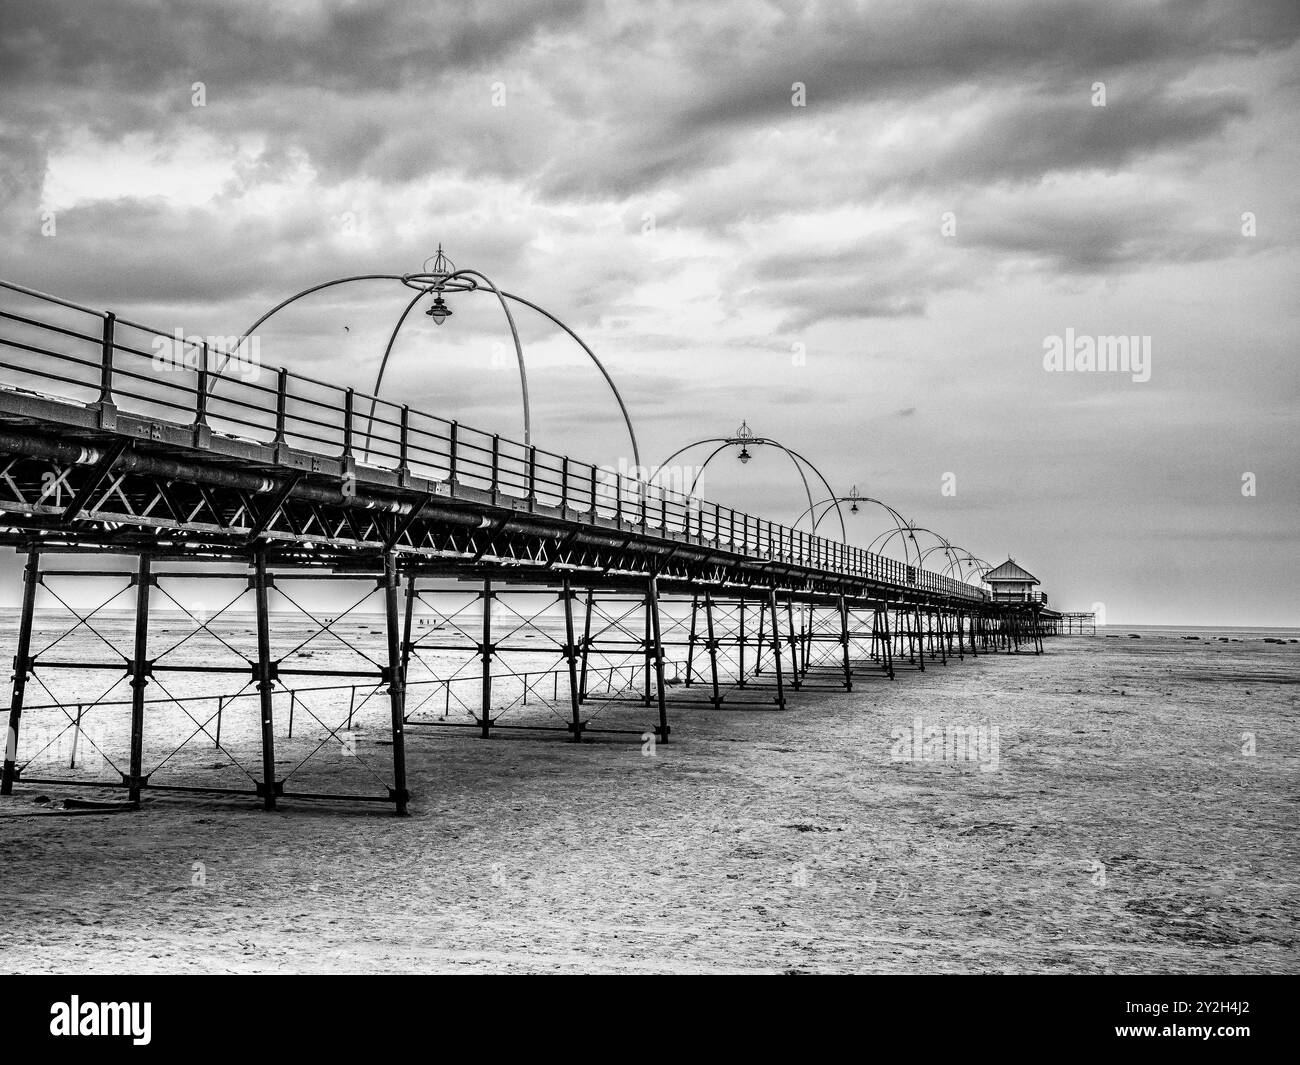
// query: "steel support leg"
[[776, 650], [140, 670], [844, 644], [792, 639], [22, 666], [712, 647], [741, 682], [646, 639], [690, 640], [397, 677], [888, 643], [656, 633], [806, 641], [586, 646], [265, 672], [571, 656], [406, 626], [485, 650]]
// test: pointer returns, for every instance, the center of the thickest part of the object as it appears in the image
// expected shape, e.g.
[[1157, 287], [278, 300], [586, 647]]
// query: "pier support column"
[[397, 677], [691, 639], [406, 626], [647, 642], [712, 647], [265, 672], [586, 645], [485, 651], [657, 649], [740, 683], [805, 619], [571, 657], [919, 632], [844, 644], [22, 666], [792, 639], [141, 667], [776, 649], [887, 641]]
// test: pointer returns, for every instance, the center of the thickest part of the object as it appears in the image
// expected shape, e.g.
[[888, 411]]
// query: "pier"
[[502, 572]]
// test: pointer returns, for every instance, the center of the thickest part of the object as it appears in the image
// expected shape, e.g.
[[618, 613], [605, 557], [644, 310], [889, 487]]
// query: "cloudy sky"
[[854, 226]]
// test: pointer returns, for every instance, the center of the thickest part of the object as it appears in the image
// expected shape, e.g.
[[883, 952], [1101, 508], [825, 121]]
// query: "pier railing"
[[1040, 598], [72, 353]]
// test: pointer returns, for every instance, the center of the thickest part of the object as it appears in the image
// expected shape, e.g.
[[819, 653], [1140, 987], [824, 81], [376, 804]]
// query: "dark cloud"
[[847, 53], [396, 90], [241, 48], [1038, 136], [882, 277], [1090, 237], [1033, 62], [386, 88]]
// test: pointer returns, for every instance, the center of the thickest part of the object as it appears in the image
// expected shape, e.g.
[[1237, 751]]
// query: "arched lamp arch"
[[854, 498], [743, 441], [953, 553], [907, 532], [431, 283]]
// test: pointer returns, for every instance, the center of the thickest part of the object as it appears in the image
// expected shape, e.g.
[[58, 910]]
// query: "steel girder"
[[120, 495]]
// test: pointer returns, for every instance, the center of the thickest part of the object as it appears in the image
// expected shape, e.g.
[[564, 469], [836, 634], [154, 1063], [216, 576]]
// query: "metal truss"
[[179, 651], [478, 653]]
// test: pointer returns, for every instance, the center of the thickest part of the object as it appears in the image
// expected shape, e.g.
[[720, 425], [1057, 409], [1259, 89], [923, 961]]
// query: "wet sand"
[[1125, 828]]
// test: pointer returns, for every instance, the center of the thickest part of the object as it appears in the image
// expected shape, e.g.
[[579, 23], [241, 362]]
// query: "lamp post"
[[978, 566], [745, 438], [908, 532], [436, 280], [953, 553], [442, 267], [853, 498]]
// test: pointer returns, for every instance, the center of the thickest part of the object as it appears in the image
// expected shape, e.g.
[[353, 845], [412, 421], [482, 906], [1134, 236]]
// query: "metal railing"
[[116, 363], [1020, 597]]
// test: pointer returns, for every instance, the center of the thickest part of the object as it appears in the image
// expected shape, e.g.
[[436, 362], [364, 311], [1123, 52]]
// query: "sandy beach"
[[1123, 826]]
